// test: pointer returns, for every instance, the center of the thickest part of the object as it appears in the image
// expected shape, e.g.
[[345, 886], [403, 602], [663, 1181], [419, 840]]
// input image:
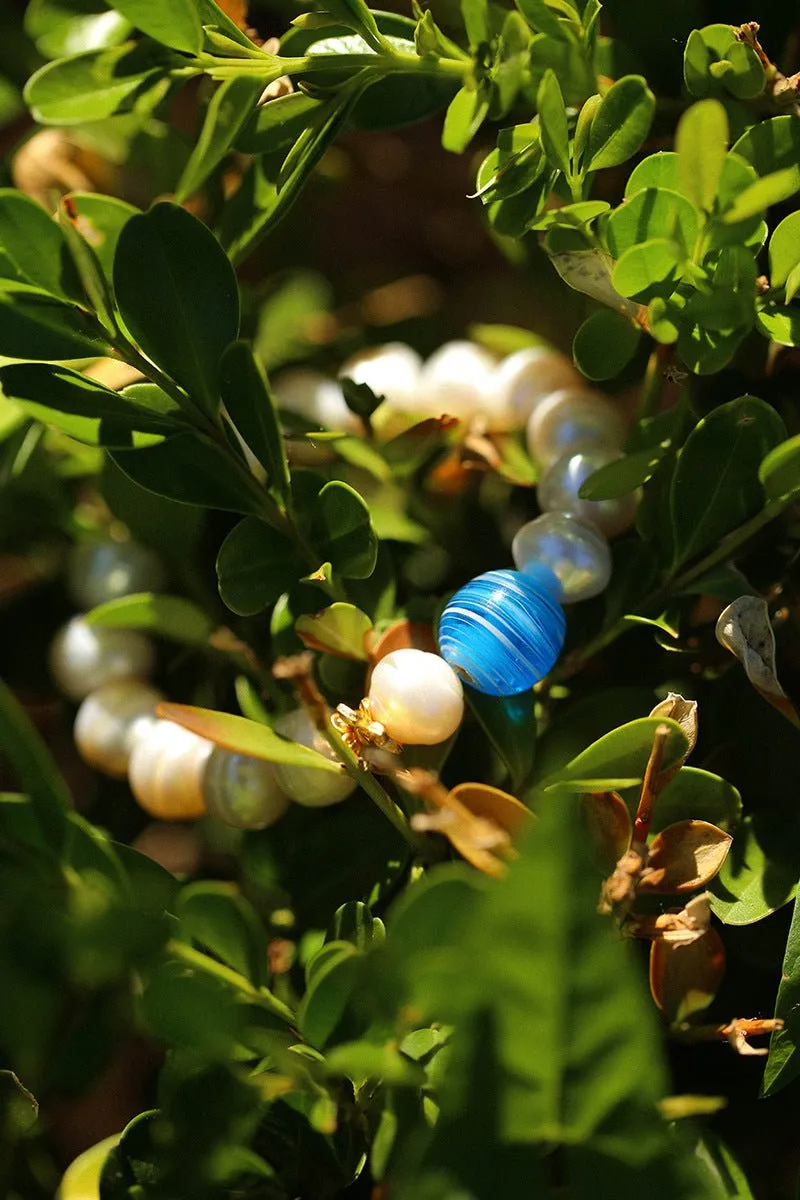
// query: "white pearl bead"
[[457, 380], [242, 791], [166, 770], [416, 696], [570, 420], [102, 570], [559, 486], [391, 371], [84, 657], [526, 378], [107, 723], [304, 785], [578, 555], [316, 398]]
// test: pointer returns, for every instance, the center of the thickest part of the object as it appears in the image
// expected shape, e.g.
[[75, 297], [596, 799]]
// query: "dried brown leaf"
[[685, 977], [676, 708], [745, 630], [684, 856], [610, 826]]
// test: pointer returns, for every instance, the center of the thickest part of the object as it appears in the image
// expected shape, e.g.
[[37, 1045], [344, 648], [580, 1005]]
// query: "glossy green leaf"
[[509, 723], [99, 83], [33, 767], [553, 122], [605, 344], [59, 29], [167, 616], [648, 268], [541, 17], [325, 1003], [255, 565], [35, 245], [652, 212], [247, 737], [465, 115], [770, 145], [783, 1063], [716, 487], [81, 1180], [247, 397], [770, 189], [212, 15], [716, 63], [36, 327], [176, 24], [345, 537], [77, 404], [780, 471], [695, 795], [779, 323], [701, 143], [621, 124], [194, 470], [92, 276], [178, 296], [219, 918], [340, 629], [623, 476], [276, 125], [229, 110], [353, 922], [618, 759], [750, 885], [100, 220]]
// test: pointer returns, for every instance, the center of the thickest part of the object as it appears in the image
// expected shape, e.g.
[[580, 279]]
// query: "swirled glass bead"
[[503, 631], [579, 556]]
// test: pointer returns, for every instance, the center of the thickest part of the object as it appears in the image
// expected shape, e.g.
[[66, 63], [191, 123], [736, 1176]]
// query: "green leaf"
[[88, 266], [178, 296], [340, 629], [255, 565], [716, 63], [695, 795], [780, 324], [541, 17], [509, 723], [176, 24], [59, 29], [344, 534], [35, 246], [465, 115], [33, 767], [623, 476], [621, 124], [701, 142], [780, 471], [716, 487], [648, 269], [228, 112], [194, 470], [277, 125], [33, 326], [247, 737], [100, 220], [99, 83], [769, 190], [618, 759], [605, 344], [553, 122], [77, 404], [211, 14], [167, 616], [652, 212], [783, 1063], [356, 15], [219, 918], [353, 922], [750, 885], [330, 990], [771, 145], [251, 406]]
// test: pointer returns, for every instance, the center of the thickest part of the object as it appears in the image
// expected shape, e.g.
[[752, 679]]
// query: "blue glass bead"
[[503, 631]]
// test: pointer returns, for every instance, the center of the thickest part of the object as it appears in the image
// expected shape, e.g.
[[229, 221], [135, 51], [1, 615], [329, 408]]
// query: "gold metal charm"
[[362, 733]]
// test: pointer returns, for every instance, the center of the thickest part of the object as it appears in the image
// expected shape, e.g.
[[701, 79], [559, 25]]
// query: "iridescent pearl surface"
[[108, 721], [242, 791], [84, 657], [316, 398], [523, 379], [502, 632], [102, 570], [558, 492], [304, 785], [573, 419], [457, 380], [578, 555], [391, 371], [416, 696], [166, 771]]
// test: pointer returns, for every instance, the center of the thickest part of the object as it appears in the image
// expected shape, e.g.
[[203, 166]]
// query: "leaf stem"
[[211, 966], [375, 790]]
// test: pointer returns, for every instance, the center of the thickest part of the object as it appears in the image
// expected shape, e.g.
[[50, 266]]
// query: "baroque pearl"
[[502, 632], [84, 657], [525, 378], [457, 380], [109, 719], [573, 419], [242, 791], [558, 492], [166, 771], [100, 570], [416, 696], [304, 785], [316, 398], [391, 371], [578, 555]]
